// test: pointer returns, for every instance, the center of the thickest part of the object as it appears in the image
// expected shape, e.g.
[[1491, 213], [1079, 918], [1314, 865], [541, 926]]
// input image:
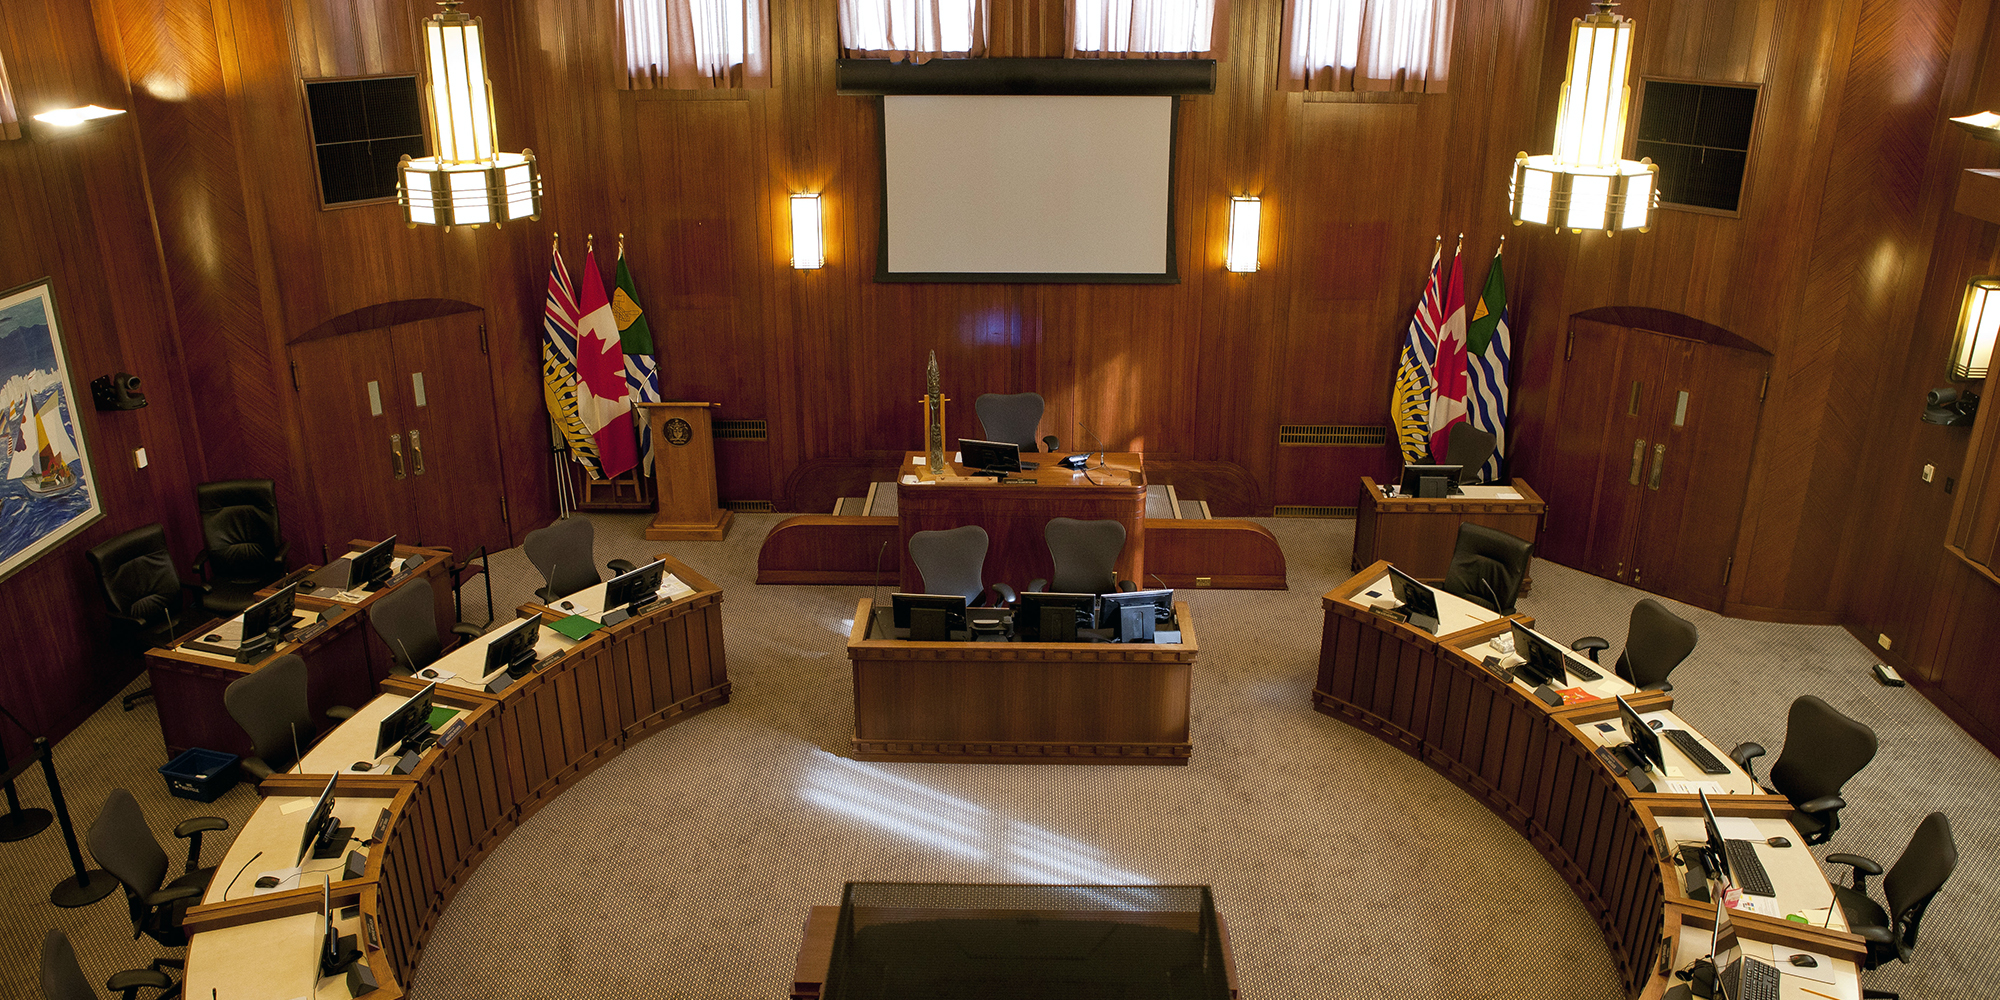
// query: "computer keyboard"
[[1689, 745], [1576, 667], [1749, 871], [1755, 980]]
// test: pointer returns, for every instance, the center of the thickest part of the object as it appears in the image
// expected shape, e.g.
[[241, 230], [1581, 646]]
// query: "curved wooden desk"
[[518, 749], [1536, 767]]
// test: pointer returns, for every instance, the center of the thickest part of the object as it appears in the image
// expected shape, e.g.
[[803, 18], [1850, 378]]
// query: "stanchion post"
[[87, 886]]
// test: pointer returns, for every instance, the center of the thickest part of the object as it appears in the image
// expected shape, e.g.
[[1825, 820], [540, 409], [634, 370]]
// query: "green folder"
[[441, 714], [576, 626]]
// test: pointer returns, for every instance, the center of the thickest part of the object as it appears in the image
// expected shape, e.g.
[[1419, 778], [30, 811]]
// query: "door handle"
[[1638, 459], [417, 452], [396, 454], [1659, 462]]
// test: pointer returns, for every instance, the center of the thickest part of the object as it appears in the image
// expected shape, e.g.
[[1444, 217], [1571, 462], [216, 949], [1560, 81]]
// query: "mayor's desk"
[[1021, 702], [1016, 515], [1418, 533]]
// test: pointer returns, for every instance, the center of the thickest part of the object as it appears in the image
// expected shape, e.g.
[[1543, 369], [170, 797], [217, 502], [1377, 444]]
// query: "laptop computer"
[[1738, 976]]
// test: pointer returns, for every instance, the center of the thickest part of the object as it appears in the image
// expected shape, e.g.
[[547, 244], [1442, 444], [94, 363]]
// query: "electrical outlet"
[[1929, 471], [139, 458], [1882, 640]]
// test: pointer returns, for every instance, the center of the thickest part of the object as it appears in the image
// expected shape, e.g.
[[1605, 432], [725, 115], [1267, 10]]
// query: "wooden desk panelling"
[[1016, 517], [1418, 534]]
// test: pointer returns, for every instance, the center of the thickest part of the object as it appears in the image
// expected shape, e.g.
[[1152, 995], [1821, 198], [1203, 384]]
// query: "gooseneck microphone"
[[875, 602], [239, 873]]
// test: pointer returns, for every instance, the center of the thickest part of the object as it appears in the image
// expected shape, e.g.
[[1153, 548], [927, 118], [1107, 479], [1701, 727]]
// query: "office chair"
[[62, 977], [242, 548], [271, 706], [563, 554], [1085, 555], [1823, 748], [1487, 567], [1013, 419], [954, 562], [141, 588], [1468, 447], [406, 619], [121, 842], [1921, 871], [1655, 643]]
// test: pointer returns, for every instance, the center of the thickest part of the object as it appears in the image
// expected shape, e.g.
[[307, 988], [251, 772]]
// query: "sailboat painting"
[[48, 493]]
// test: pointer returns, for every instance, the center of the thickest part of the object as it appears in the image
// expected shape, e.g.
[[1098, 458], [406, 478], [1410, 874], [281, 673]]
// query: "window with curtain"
[[697, 44], [1394, 45], [10, 124], [1147, 28], [916, 30]]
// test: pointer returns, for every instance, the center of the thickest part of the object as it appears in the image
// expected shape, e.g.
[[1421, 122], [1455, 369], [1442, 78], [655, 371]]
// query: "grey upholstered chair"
[[120, 841], [954, 562], [1823, 748], [271, 705], [1085, 554], [563, 553], [1468, 447], [243, 550], [1013, 419], [1487, 567], [62, 977], [1920, 872], [1655, 643], [406, 619]]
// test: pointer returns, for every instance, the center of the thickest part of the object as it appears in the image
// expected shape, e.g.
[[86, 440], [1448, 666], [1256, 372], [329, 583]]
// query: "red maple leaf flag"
[[1448, 374], [602, 396]]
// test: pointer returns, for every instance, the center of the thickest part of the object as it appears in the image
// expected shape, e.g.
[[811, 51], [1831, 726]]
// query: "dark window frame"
[[1750, 144]]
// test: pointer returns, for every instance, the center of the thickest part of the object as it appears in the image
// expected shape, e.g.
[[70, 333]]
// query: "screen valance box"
[[1027, 77]]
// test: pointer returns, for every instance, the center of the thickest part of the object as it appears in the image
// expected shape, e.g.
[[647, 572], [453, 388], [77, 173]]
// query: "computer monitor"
[[1718, 849], [1068, 612], [628, 592], [329, 940], [928, 617], [1419, 602], [1545, 660], [1149, 608], [1412, 483], [989, 457], [513, 649], [1644, 740], [409, 724], [273, 612], [373, 567], [321, 829]]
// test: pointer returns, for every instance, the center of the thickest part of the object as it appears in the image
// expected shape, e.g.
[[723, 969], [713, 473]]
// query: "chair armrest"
[[135, 979], [1127, 586], [1037, 586], [340, 713], [173, 894], [1873, 934], [1052, 442], [201, 567], [621, 565], [1007, 594], [466, 631], [1589, 646], [1744, 753], [255, 768], [284, 549], [200, 825], [1855, 861], [1822, 804], [1656, 686]]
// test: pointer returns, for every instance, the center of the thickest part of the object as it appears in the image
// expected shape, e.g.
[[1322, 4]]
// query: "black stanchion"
[[18, 823], [87, 886]]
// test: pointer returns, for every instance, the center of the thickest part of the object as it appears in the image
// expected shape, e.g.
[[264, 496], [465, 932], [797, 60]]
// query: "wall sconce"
[[1978, 324], [1984, 124], [466, 183], [1245, 216], [1586, 183], [65, 122], [808, 236]]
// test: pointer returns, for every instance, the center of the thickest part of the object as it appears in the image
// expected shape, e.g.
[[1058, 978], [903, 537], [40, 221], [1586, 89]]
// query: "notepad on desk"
[[1575, 696], [1692, 787]]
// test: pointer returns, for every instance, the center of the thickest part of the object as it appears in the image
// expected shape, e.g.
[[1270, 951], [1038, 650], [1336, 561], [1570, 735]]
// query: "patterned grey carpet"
[[684, 867]]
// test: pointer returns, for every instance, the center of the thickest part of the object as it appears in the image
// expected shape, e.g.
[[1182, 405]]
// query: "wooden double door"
[[402, 436], [1648, 457]]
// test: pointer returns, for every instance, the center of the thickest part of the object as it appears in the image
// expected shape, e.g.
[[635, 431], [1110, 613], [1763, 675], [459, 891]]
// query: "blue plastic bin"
[[201, 775]]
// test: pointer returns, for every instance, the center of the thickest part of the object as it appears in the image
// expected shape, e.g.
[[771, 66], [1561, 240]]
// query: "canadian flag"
[[602, 394], [1448, 380]]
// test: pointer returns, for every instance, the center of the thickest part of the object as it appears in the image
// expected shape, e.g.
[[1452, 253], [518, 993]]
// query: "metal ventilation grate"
[[749, 506], [1316, 512], [740, 430], [1334, 435]]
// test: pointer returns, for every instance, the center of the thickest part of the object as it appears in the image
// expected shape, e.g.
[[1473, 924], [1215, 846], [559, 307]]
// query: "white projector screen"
[[1003, 188]]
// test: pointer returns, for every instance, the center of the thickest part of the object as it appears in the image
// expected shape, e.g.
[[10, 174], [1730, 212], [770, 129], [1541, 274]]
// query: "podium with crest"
[[684, 474]]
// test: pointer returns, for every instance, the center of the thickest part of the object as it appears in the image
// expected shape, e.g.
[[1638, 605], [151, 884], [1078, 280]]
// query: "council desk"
[[1016, 515]]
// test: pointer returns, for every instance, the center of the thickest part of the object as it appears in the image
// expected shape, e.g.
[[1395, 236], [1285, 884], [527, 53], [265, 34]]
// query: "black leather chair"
[[406, 619], [1823, 748], [121, 842], [243, 551], [954, 562], [563, 553], [1910, 886], [1487, 567], [1468, 447], [141, 588], [62, 977], [1656, 642], [271, 705], [1014, 419], [1085, 555]]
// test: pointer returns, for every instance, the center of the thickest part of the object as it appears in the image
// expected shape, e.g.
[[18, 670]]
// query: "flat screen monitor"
[[372, 568], [408, 723], [329, 939], [1546, 661], [1157, 606], [953, 606], [514, 647], [1419, 601], [318, 823], [635, 588], [1642, 737], [1718, 849], [272, 612], [1081, 608], [1723, 952], [989, 456], [1412, 483]]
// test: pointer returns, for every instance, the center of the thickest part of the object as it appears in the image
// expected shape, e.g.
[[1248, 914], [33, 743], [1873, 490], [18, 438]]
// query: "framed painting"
[[49, 492]]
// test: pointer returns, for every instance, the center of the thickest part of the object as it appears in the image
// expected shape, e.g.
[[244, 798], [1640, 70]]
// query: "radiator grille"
[[1334, 435], [1315, 512], [749, 506], [740, 430]]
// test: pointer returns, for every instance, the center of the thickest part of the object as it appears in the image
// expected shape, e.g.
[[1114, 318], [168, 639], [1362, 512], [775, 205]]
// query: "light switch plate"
[[1929, 471]]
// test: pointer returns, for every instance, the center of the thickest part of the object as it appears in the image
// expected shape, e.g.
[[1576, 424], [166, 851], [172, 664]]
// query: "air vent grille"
[[749, 506], [1334, 435], [1315, 512], [740, 430]]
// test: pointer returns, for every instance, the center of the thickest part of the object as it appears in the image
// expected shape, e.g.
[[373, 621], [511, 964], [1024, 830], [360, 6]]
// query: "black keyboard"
[[1695, 752], [1747, 869], [1577, 668], [1754, 980]]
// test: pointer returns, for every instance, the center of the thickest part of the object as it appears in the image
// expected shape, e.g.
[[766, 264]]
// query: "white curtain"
[[696, 44], [1147, 28], [10, 123], [915, 30], [1366, 45]]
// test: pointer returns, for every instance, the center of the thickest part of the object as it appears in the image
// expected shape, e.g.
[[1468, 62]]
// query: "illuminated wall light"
[[1586, 183], [72, 117], [1245, 216], [1978, 326], [808, 235], [467, 183]]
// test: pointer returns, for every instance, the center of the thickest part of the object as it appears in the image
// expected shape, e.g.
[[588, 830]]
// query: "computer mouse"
[[266, 882], [212, 637], [1804, 961], [359, 765], [567, 606], [1655, 724], [1778, 842], [428, 674]]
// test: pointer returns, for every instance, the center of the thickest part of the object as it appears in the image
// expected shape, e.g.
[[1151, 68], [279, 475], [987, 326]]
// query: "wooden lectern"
[[684, 474]]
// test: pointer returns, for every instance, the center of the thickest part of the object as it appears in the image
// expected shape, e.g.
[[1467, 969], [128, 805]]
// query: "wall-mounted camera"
[[117, 392], [1950, 407]]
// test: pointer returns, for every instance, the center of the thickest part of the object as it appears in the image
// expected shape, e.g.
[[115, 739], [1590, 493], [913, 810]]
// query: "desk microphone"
[[298, 756], [408, 660], [874, 602], [259, 854], [1490, 592]]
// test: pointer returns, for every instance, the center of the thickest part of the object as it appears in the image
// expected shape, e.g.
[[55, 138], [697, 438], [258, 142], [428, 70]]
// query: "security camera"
[[117, 392], [1950, 407]]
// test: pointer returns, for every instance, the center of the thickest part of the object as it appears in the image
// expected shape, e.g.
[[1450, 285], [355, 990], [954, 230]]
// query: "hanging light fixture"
[[1586, 183], [467, 183], [1978, 328]]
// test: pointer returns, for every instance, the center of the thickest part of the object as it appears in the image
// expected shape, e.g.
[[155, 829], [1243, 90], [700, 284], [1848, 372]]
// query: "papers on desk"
[[1692, 787], [1765, 905], [1738, 828], [673, 589]]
